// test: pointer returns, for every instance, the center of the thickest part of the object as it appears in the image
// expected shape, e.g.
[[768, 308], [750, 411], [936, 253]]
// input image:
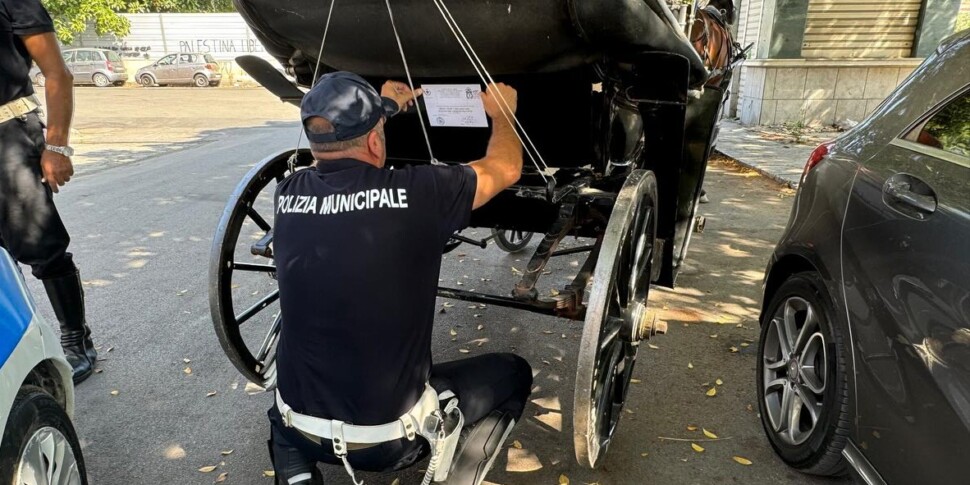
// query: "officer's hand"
[[493, 97], [56, 169], [400, 93]]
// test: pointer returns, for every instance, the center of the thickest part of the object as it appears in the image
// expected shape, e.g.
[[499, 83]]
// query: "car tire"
[[818, 449], [100, 80], [511, 241], [38, 425], [40, 80], [146, 80], [201, 81]]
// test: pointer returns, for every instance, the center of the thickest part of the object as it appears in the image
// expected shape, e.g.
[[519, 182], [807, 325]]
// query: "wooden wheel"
[[243, 294], [616, 317]]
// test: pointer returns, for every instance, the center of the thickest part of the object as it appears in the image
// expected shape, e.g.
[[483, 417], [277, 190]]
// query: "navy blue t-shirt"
[[358, 252], [18, 18]]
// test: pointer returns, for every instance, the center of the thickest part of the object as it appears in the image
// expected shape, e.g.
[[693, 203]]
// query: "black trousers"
[[30, 227], [483, 384]]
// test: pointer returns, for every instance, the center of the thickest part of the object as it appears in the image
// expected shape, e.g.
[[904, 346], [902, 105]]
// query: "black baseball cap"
[[349, 103]]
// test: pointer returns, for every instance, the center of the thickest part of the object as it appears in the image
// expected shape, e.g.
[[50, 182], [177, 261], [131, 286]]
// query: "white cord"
[[316, 71], [407, 72], [476, 61]]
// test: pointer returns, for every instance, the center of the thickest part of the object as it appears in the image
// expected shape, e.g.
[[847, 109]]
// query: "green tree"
[[71, 17], [180, 6]]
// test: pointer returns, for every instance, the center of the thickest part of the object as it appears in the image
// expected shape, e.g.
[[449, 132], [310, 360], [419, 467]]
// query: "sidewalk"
[[768, 151]]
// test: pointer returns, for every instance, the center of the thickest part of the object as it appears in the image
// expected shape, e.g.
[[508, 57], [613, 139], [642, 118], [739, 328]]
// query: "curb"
[[763, 172]]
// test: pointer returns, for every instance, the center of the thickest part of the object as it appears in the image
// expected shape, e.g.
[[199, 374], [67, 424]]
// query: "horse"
[[713, 40]]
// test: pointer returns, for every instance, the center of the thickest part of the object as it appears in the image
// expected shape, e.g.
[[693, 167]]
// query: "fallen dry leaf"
[[210, 394], [181, 292], [516, 270], [253, 389], [464, 351], [208, 469], [222, 477], [733, 349], [635, 381], [644, 453], [480, 326], [114, 393], [711, 392], [187, 370], [227, 452], [453, 332], [187, 361], [745, 344], [554, 292], [269, 473], [719, 382], [709, 434], [713, 335], [447, 304], [691, 427], [98, 370], [690, 365], [698, 448], [652, 346], [547, 332], [563, 479], [742, 460], [517, 444]]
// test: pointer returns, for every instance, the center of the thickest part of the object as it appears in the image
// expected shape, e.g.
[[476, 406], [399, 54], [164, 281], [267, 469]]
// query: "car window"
[[210, 59], [68, 56], [86, 56], [167, 60], [113, 56], [186, 58], [949, 129]]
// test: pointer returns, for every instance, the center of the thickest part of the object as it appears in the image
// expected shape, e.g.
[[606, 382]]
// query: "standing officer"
[[32, 168], [358, 251]]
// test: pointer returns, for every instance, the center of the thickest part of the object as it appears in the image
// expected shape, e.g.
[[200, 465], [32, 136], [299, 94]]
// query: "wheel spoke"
[[807, 329], [270, 339], [779, 364], [261, 304], [259, 268], [812, 368], [258, 219], [809, 403], [775, 384], [794, 415], [782, 337], [608, 338], [790, 320]]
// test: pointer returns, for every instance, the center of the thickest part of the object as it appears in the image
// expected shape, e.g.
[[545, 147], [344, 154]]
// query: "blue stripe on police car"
[[16, 310]]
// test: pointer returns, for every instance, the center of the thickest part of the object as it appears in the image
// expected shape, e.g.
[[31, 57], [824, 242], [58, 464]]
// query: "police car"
[[39, 444]]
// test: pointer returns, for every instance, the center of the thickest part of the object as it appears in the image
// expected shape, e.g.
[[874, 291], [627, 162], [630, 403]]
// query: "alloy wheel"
[[48, 459]]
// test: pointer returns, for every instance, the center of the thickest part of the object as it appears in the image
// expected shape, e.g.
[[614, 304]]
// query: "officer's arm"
[[502, 165], [58, 86]]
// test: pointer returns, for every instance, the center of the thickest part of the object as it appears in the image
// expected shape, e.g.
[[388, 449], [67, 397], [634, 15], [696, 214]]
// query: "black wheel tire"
[[100, 80], [32, 410], [821, 452], [146, 81], [451, 245], [511, 246], [201, 81]]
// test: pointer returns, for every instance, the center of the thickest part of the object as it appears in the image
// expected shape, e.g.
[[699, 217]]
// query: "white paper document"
[[457, 105]]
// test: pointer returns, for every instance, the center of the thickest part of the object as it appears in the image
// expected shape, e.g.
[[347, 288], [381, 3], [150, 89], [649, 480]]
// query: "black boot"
[[479, 448], [67, 298]]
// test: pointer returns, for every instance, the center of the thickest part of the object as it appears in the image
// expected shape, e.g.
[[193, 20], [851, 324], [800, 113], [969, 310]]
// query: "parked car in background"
[[864, 356], [183, 68], [39, 444], [100, 67]]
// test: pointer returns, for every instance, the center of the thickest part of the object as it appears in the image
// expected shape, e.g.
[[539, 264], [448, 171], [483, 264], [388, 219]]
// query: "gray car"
[[864, 356], [100, 67], [183, 68]]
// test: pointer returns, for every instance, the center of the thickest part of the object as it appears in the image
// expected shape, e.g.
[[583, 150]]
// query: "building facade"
[[831, 62]]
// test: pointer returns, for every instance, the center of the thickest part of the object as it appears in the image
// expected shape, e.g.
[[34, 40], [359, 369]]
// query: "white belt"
[[410, 425], [18, 107]]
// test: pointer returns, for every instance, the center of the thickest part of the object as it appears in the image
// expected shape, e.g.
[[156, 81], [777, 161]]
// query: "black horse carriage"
[[616, 113]]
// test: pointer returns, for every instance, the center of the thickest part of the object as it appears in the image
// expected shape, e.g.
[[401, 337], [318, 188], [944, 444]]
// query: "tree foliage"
[[180, 6], [71, 17]]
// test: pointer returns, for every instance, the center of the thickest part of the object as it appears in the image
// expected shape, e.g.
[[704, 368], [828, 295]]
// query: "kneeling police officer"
[[358, 252]]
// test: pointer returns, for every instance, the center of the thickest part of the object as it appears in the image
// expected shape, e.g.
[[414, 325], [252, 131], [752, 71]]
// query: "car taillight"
[[212, 67], [817, 156], [111, 67]]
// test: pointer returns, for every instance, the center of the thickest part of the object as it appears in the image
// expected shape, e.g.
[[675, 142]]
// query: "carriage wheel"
[[510, 240], [242, 286], [615, 317]]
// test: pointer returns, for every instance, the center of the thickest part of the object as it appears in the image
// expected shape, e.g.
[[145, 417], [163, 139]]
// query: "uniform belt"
[[18, 107], [407, 426]]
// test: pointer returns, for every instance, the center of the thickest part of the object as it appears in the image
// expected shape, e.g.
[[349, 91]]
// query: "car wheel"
[[511, 241], [146, 81], [201, 81], [803, 391], [100, 80], [39, 443], [40, 80]]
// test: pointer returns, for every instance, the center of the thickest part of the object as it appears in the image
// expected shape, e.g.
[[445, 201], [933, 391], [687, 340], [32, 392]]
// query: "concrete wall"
[[817, 92]]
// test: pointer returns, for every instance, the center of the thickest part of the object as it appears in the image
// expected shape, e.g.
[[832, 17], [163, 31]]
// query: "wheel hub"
[[793, 369]]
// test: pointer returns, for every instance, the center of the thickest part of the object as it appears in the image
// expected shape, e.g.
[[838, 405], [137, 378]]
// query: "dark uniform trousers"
[[30, 227], [500, 382]]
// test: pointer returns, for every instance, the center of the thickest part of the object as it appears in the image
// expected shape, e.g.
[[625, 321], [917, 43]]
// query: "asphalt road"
[[158, 166]]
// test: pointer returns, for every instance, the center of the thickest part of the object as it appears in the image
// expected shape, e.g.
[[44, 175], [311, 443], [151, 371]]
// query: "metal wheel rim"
[[146, 80], [512, 240], [48, 459], [795, 368], [258, 367], [201, 81], [101, 81], [607, 356]]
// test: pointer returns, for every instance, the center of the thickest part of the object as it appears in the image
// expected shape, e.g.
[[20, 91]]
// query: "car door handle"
[[911, 192]]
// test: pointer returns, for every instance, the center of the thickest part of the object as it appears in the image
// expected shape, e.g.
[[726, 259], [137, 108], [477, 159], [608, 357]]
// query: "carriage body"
[[613, 97]]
